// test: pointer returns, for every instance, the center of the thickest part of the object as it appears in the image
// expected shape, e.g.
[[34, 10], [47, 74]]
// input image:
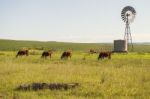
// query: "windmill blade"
[[128, 10]]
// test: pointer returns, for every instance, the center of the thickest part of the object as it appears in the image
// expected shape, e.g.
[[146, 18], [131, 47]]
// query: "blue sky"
[[72, 20]]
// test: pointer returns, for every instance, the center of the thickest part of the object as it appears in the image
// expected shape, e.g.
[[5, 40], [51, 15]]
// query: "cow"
[[103, 55], [92, 51], [66, 54], [22, 53], [45, 54]]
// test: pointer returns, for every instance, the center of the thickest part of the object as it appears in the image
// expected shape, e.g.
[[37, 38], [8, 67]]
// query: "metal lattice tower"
[[128, 14]]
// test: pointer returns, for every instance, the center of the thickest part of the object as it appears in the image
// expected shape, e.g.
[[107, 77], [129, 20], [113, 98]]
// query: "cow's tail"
[[70, 55], [109, 56]]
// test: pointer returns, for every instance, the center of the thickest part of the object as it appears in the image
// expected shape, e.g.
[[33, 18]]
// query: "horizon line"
[[62, 41]]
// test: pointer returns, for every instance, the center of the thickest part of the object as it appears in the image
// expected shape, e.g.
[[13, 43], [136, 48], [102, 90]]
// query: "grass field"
[[15, 45], [125, 76]]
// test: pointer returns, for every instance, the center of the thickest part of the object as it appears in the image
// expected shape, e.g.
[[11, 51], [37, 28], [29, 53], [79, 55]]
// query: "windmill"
[[128, 15]]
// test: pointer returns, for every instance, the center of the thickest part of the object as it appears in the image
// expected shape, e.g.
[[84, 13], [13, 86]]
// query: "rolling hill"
[[13, 45]]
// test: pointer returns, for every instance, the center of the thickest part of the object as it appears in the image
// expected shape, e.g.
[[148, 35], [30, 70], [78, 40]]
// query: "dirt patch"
[[52, 86]]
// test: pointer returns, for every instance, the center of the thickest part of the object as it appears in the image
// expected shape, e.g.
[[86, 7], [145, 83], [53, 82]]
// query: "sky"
[[86, 21]]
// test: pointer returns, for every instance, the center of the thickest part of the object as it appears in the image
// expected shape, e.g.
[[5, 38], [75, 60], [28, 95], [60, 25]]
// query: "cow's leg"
[[45, 56], [61, 57], [98, 58], [16, 55], [109, 56]]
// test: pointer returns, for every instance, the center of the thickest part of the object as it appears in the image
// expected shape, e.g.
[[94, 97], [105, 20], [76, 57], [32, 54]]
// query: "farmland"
[[125, 76]]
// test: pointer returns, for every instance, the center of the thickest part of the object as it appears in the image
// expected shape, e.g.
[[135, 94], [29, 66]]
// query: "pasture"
[[125, 76]]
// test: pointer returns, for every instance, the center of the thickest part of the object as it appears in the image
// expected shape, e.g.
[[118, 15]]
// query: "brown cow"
[[22, 53], [66, 54], [103, 55], [92, 51], [45, 54]]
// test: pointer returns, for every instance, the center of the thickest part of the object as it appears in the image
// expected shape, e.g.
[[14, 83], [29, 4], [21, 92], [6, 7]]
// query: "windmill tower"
[[128, 15]]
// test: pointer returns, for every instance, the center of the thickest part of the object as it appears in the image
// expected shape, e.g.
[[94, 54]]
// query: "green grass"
[[14, 45], [9, 45], [125, 76]]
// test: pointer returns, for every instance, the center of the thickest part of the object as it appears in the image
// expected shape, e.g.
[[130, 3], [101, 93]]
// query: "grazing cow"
[[46, 54], [103, 55], [66, 54], [22, 53], [92, 51]]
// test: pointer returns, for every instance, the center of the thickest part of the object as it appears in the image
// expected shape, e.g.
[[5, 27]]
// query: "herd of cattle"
[[65, 54]]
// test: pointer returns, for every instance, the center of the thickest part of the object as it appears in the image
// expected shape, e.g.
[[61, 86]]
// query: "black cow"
[[103, 55], [45, 54], [66, 54], [22, 53]]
